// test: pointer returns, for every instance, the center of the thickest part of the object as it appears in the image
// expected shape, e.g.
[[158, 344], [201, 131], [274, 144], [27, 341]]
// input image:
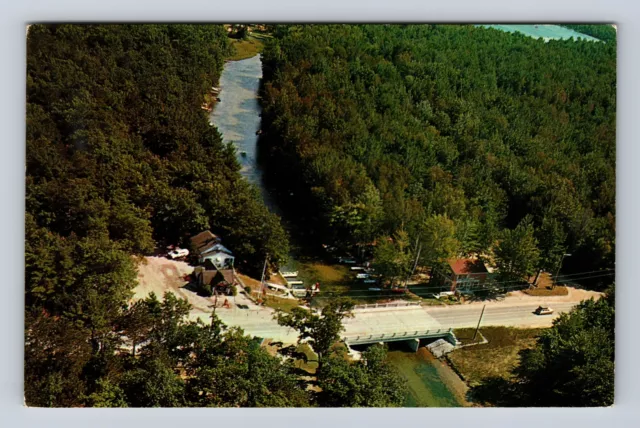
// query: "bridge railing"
[[386, 305], [397, 336]]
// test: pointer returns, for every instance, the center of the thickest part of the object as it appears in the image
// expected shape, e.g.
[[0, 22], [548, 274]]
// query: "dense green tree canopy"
[[475, 125], [121, 160], [368, 382]]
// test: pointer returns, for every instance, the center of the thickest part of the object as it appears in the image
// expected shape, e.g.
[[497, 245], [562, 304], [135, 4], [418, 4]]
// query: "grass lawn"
[[246, 48], [283, 304], [560, 290], [543, 287], [496, 358]]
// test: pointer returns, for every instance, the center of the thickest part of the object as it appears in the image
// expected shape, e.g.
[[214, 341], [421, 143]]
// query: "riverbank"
[[494, 359], [431, 382]]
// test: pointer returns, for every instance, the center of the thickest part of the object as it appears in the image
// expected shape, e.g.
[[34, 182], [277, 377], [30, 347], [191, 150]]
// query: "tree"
[[517, 254], [393, 258], [153, 383], [368, 382], [573, 362], [438, 240], [106, 395], [322, 331]]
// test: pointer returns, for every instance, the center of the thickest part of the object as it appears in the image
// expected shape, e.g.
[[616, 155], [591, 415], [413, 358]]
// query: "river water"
[[237, 117]]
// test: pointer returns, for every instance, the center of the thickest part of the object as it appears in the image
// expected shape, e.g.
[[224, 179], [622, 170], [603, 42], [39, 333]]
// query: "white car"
[[362, 276], [178, 253], [299, 290], [543, 310]]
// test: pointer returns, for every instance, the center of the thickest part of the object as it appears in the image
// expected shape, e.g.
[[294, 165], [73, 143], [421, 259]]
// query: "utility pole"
[[264, 270], [555, 278], [215, 302], [415, 265], [479, 321]]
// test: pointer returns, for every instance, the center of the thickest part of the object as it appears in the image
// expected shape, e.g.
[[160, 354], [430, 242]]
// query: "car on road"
[[178, 253], [543, 310], [362, 276]]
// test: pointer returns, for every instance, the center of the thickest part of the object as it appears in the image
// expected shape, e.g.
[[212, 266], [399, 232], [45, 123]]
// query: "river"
[[237, 116]]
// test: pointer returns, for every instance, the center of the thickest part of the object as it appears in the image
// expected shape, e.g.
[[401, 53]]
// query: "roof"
[[227, 274], [467, 266], [215, 248], [203, 239], [208, 276], [208, 265], [216, 276]]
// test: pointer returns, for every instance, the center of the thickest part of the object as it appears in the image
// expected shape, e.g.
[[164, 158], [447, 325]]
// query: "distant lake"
[[545, 32]]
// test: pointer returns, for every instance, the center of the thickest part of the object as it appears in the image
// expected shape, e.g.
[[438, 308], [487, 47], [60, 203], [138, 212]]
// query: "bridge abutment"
[[414, 344]]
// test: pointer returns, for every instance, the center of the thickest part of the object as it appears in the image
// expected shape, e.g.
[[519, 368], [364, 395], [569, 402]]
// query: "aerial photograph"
[[320, 215]]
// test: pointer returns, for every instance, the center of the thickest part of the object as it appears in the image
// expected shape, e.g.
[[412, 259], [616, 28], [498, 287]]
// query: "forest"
[[120, 161], [460, 137]]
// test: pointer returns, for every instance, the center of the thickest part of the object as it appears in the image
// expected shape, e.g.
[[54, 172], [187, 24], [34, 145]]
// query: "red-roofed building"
[[464, 274]]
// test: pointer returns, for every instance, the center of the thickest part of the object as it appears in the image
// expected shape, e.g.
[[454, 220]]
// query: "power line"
[[573, 277], [371, 295]]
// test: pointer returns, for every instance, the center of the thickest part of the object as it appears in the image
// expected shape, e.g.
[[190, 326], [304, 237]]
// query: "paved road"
[[258, 321], [521, 315]]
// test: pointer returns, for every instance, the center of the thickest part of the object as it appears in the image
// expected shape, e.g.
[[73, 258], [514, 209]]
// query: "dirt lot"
[[573, 295], [159, 275]]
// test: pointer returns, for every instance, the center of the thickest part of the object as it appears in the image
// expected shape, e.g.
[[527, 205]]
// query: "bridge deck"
[[380, 321]]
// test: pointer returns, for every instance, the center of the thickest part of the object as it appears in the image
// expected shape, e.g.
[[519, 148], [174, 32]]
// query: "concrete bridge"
[[411, 337], [393, 322]]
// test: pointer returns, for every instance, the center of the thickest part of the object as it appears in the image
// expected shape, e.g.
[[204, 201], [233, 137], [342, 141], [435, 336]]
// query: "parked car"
[[362, 276], [370, 281], [178, 253], [444, 294], [543, 310], [354, 268], [299, 290], [289, 274], [346, 260]]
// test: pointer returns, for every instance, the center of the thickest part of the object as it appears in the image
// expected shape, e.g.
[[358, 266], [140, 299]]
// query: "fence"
[[386, 305]]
